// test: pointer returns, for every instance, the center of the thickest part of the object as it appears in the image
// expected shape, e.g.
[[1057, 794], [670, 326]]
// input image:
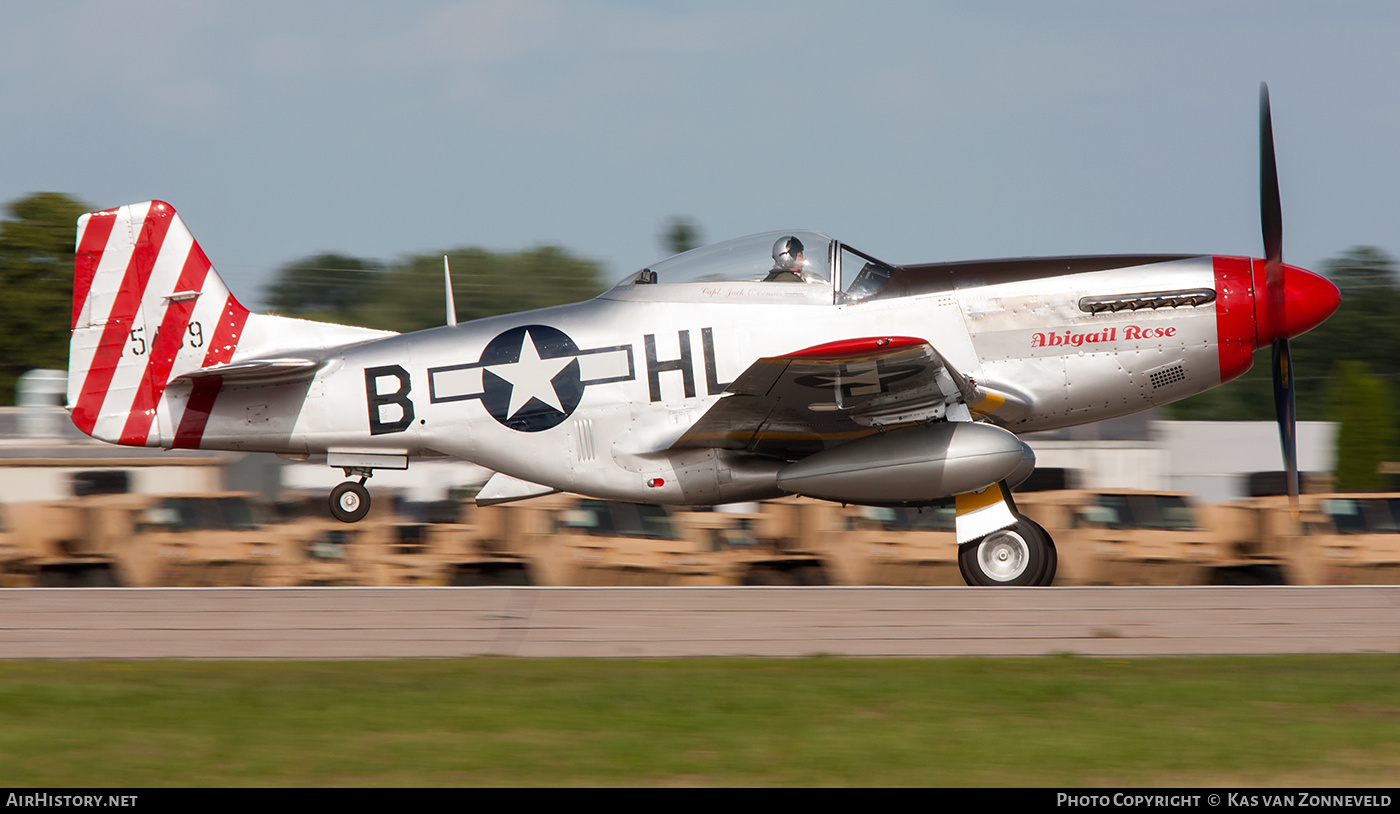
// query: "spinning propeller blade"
[[1271, 219]]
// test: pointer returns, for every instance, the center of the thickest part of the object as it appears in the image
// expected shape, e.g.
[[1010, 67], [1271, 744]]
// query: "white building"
[[1208, 459]]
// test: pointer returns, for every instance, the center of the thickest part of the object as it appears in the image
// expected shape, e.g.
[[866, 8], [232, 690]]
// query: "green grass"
[[1062, 721]]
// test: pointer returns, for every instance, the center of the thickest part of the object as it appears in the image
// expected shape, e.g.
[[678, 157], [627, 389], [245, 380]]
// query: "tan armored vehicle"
[[1124, 537], [866, 545], [446, 545], [438, 546], [572, 542], [581, 541], [753, 545], [1338, 538], [200, 540], [45, 547], [11, 554], [1356, 539], [144, 540]]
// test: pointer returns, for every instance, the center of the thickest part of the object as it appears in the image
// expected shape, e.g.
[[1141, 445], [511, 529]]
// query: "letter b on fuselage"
[[381, 403]]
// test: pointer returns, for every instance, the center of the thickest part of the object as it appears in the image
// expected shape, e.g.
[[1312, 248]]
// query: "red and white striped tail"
[[147, 307]]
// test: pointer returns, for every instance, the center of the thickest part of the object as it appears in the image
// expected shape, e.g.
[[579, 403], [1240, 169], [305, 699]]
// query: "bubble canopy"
[[744, 260]]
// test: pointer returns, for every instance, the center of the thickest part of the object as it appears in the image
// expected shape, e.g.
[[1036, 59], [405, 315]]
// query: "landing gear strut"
[[1023, 554], [350, 500]]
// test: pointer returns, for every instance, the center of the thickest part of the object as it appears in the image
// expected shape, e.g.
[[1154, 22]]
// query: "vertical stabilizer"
[[147, 307]]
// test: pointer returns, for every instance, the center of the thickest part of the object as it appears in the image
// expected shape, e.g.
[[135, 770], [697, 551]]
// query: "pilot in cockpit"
[[788, 261]]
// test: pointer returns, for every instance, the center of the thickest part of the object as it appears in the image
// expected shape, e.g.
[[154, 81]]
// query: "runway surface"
[[365, 623]]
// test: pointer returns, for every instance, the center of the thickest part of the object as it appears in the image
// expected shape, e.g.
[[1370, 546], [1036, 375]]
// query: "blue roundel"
[[531, 378]]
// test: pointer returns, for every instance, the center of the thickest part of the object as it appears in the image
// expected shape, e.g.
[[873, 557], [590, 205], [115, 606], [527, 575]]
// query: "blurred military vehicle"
[[142, 540], [396, 545], [1355, 540], [1336, 539], [1103, 537], [42, 548], [868, 545], [754, 546], [1126, 537], [584, 541]]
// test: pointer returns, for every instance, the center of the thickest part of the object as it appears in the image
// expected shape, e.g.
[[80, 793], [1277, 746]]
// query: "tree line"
[[408, 295]]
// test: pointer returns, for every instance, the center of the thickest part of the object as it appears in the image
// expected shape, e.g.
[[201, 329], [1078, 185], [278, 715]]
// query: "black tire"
[[1015, 556], [1052, 562], [349, 502], [1052, 558], [971, 577]]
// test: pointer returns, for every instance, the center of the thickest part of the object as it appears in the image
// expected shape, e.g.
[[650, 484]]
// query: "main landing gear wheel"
[[1023, 554], [349, 502], [1052, 559]]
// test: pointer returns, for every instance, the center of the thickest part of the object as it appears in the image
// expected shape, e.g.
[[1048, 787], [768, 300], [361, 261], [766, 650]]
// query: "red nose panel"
[[1234, 315], [1308, 299], [1245, 319]]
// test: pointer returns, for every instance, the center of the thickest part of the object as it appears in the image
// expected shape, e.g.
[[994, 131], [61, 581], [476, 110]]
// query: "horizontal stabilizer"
[[259, 371]]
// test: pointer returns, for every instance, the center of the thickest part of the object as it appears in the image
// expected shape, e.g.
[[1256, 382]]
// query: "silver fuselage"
[[653, 359]]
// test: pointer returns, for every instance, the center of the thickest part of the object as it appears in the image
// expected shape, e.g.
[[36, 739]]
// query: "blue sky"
[[915, 131]]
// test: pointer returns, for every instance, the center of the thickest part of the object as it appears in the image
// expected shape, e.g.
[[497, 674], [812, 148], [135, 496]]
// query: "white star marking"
[[531, 377]]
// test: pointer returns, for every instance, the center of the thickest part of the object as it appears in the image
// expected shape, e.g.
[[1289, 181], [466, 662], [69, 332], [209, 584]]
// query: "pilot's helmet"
[[785, 253]]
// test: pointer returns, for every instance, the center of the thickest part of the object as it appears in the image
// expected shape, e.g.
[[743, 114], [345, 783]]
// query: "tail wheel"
[[349, 502], [1020, 555]]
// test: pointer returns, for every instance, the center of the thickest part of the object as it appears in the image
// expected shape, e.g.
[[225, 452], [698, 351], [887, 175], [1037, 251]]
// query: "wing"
[[795, 405]]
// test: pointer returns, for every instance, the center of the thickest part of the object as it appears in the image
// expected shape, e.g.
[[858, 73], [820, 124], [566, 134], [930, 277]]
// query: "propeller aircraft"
[[784, 363]]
